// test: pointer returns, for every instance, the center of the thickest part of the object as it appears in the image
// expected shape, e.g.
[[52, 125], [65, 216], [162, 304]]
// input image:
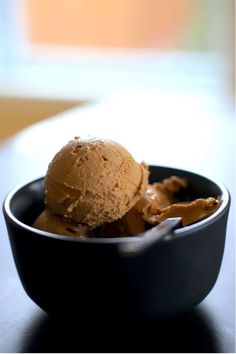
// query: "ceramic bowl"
[[90, 279]]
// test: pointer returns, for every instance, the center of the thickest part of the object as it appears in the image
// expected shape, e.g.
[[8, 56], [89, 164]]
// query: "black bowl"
[[91, 279]]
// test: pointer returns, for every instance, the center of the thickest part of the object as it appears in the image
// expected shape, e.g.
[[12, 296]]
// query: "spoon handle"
[[149, 237]]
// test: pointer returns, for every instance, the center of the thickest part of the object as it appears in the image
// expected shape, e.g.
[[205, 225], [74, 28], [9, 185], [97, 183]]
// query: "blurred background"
[[58, 54]]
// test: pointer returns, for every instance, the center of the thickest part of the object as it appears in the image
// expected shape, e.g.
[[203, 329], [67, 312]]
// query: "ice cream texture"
[[95, 188], [93, 182], [47, 221]]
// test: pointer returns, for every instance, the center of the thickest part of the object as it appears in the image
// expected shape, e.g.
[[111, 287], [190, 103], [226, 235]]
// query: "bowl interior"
[[28, 202]]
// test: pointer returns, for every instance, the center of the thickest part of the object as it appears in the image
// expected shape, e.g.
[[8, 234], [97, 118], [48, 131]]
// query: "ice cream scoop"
[[95, 188], [93, 182]]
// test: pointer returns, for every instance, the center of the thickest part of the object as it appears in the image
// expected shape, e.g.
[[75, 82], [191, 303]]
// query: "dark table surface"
[[200, 138]]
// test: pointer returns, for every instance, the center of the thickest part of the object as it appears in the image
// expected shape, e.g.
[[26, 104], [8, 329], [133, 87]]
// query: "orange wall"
[[110, 23]]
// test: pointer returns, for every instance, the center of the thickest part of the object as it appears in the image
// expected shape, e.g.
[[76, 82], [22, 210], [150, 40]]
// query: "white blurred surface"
[[188, 130]]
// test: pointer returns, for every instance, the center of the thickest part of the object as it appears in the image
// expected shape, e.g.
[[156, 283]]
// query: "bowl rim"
[[223, 205]]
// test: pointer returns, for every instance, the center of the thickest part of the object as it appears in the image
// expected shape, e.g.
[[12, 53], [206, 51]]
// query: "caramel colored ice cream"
[[160, 195], [58, 225], [94, 188], [159, 203], [131, 224], [92, 182], [190, 212]]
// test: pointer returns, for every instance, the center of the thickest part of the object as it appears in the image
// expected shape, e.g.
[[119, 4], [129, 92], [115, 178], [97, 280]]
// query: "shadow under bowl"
[[90, 279]]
